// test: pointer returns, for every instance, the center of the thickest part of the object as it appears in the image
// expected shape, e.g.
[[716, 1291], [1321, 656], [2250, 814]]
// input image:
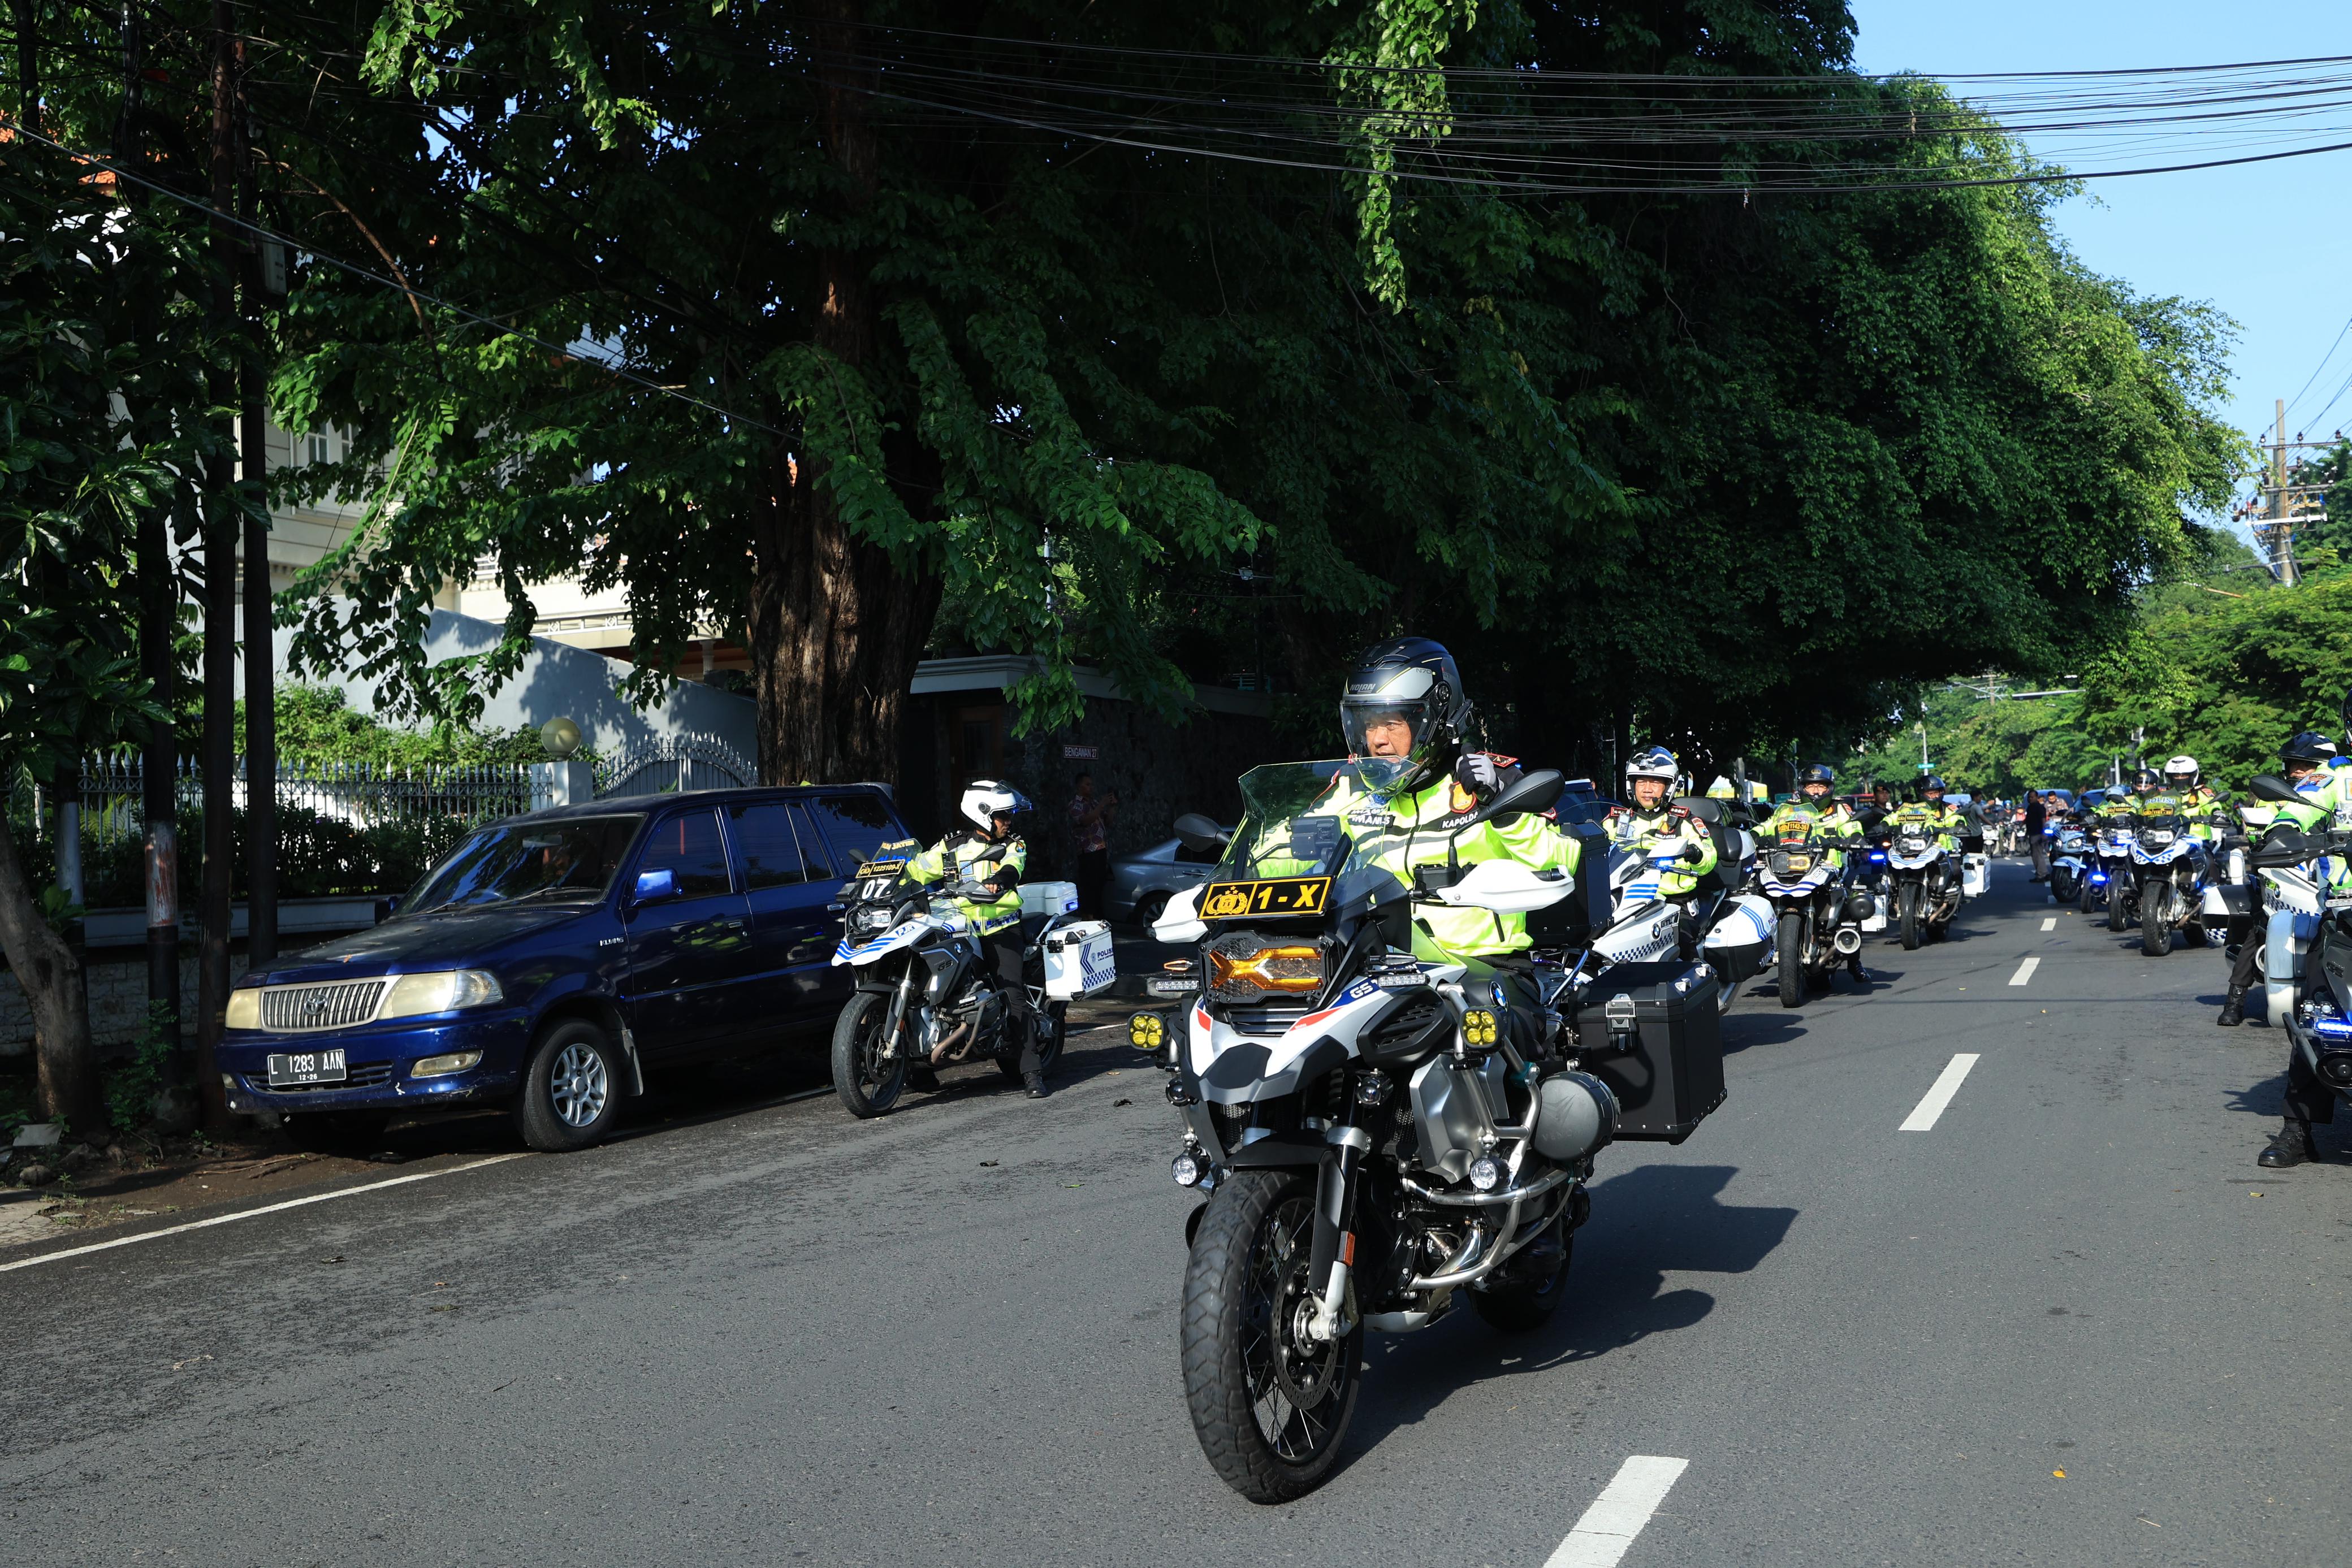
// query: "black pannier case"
[[1673, 1075]]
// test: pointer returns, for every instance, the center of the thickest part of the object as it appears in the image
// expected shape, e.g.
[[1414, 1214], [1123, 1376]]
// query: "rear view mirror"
[[1200, 835], [655, 885], [1536, 792], [2271, 786]]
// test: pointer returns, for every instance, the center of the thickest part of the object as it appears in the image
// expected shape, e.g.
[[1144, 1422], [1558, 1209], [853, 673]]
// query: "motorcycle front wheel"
[[1791, 965], [2155, 930], [1269, 1405], [2115, 921], [868, 1082], [1910, 899]]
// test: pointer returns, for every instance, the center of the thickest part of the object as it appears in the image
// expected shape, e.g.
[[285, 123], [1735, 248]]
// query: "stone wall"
[[118, 1003]]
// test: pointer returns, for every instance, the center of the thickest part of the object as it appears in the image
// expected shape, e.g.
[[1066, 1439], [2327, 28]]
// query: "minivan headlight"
[[245, 1008], [447, 991]]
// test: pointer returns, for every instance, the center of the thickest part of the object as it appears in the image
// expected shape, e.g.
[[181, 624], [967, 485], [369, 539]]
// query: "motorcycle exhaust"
[[1848, 941], [941, 1055]]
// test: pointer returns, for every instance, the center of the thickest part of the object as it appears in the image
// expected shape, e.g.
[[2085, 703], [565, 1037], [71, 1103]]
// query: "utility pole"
[[220, 539], [2283, 539], [260, 638]]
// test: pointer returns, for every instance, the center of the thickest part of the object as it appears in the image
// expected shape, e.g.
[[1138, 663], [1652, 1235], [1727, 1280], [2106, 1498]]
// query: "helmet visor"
[[1388, 736]]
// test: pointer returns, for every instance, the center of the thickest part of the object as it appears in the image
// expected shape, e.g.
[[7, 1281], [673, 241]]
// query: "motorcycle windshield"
[[1305, 819]]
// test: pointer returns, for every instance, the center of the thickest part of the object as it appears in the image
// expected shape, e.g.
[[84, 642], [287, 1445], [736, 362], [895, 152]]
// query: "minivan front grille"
[[293, 1010]]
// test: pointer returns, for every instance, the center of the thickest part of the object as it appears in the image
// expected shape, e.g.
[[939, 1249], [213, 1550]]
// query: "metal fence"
[[365, 794], [671, 764]]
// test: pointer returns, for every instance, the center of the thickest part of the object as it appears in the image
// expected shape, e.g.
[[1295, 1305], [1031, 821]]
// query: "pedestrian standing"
[[2036, 815], [1090, 820]]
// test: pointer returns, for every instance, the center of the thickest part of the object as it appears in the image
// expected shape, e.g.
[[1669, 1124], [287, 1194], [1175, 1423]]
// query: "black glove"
[[1476, 772], [1694, 852]]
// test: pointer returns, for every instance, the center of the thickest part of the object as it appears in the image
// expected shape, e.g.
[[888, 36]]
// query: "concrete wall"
[[118, 1003], [573, 682]]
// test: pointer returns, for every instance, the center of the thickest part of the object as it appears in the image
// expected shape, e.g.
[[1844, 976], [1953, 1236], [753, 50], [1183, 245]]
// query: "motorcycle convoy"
[[1420, 996]]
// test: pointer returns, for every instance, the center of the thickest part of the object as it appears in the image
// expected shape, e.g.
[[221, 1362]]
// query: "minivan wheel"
[[572, 1089], [1150, 907]]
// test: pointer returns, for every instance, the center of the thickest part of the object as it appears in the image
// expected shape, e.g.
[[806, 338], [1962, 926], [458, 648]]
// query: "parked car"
[[553, 961], [1141, 884]]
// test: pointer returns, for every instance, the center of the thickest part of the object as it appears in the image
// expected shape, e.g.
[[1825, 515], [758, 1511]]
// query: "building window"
[[318, 450]]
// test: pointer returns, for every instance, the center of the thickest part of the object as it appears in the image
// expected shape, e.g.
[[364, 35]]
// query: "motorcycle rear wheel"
[[1269, 1407], [1791, 963], [868, 1082], [1057, 1020], [2155, 934]]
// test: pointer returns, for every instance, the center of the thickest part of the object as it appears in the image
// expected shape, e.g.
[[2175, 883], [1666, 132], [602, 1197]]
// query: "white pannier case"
[[1975, 875], [1078, 961], [1049, 898]]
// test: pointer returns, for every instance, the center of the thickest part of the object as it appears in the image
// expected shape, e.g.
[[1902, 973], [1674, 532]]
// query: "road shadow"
[[2267, 1101], [1650, 1222], [1743, 1030]]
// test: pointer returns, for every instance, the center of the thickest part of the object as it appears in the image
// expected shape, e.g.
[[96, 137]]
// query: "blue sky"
[[2267, 243]]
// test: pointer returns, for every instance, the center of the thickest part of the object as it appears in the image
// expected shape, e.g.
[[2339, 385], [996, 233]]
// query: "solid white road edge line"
[[248, 1214], [2025, 971], [1619, 1513], [2050, 923], [1939, 1094]]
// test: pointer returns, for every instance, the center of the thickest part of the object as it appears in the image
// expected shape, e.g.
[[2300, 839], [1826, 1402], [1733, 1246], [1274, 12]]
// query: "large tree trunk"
[[46, 965], [836, 627]]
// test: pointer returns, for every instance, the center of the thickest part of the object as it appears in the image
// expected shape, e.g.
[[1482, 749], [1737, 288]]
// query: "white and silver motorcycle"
[[1383, 1135], [928, 993]]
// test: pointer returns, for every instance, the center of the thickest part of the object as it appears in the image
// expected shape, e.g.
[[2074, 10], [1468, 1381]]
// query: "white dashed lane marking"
[[2025, 971], [2050, 923], [1923, 1115], [1619, 1513]]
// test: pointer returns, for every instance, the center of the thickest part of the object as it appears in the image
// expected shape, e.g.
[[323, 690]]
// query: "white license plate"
[[306, 1067]]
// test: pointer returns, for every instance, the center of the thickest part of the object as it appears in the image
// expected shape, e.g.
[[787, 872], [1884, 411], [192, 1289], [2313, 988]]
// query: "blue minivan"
[[551, 962]]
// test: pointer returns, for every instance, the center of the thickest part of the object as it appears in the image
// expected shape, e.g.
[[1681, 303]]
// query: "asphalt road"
[[949, 1336]]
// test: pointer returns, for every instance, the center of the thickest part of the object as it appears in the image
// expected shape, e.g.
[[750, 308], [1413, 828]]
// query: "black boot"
[[1035, 1083], [2233, 1008], [2289, 1145]]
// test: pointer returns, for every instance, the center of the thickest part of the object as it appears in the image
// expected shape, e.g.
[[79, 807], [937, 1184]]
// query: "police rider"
[[2326, 804], [1659, 831], [1818, 811], [985, 862], [2304, 762], [2184, 778]]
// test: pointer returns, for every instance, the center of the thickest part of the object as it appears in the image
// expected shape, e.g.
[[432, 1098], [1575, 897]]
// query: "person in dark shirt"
[[2036, 816]]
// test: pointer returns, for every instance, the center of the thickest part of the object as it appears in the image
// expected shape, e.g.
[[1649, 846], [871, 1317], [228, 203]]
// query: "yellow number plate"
[[1278, 895]]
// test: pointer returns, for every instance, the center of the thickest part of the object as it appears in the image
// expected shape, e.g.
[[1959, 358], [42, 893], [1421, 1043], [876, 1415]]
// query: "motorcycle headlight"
[[445, 991], [1244, 967], [869, 920]]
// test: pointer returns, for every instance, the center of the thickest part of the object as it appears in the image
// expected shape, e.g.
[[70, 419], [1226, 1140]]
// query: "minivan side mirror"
[[1201, 834], [2271, 786], [653, 886]]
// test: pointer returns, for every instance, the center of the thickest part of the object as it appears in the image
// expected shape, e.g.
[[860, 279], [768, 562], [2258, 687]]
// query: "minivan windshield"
[[567, 861]]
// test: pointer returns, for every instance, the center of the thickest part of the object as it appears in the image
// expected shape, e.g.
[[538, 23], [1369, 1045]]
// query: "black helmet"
[[1819, 773], [2311, 749], [2146, 779], [1412, 679], [1933, 781], [2344, 713]]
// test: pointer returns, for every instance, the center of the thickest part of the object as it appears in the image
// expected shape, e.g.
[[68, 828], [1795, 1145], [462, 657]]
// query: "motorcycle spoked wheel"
[[1791, 963], [2117, 920], [1910, 906], [1057, 1020], [2155, 930], [1269, 1406], [868, 1082]]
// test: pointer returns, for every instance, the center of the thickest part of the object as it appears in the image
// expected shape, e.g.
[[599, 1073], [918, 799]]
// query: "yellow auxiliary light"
[[1478, 1028], [1147, 1031]]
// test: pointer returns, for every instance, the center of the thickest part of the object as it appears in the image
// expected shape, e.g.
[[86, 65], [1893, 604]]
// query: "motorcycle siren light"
[[986, 798]]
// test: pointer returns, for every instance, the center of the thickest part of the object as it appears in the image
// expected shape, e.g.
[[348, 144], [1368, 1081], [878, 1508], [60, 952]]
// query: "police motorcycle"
[[2114, 882], [1923, 881], [1383, 1137], [2071, 855], [1806, 875], [2309, 986], [928, 991], [2169, 864], [1735, 928]]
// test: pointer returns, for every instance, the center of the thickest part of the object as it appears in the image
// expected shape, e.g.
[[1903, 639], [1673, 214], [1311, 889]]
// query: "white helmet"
[[986, 798], [1656, 762], [2181, 772]]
